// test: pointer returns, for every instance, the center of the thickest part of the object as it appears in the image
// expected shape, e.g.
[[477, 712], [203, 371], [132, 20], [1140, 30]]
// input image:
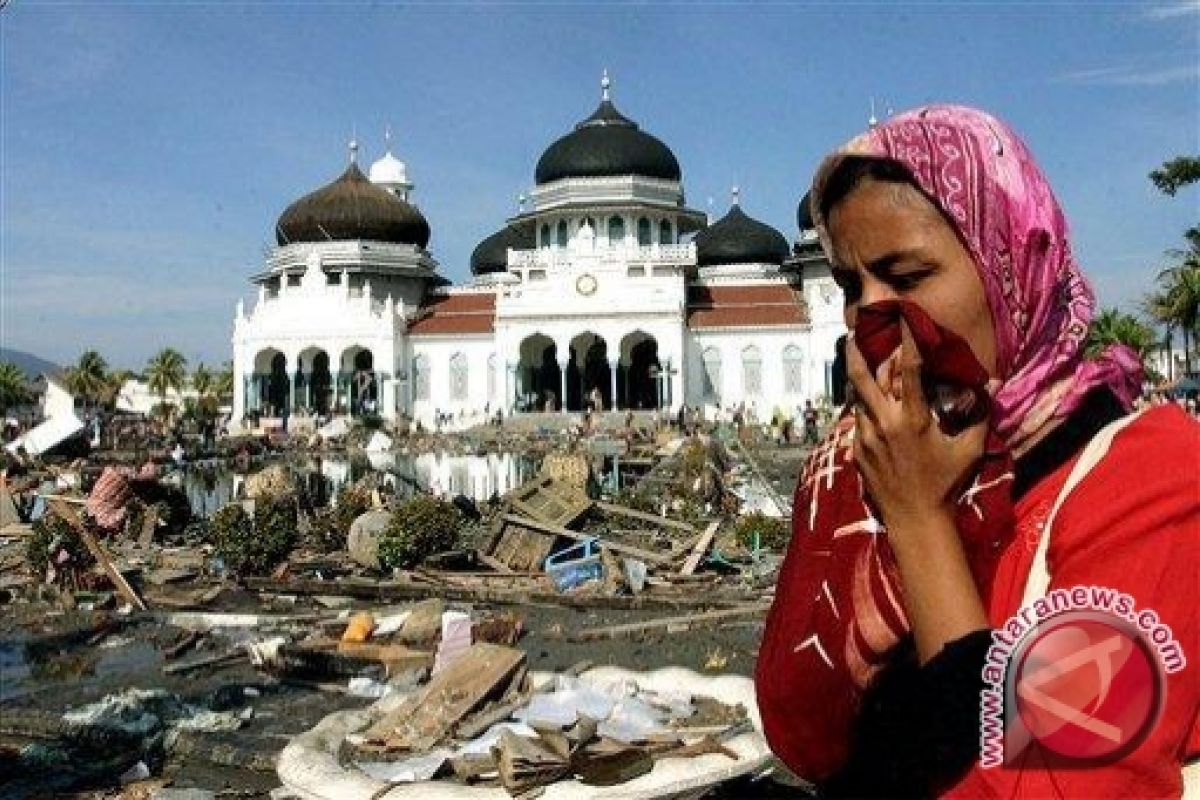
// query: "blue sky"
[[146, 148]]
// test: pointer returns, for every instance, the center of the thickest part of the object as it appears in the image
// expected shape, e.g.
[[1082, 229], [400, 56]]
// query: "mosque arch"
[[643, 232], [357, 374], [793, 369], [712, 373], [458, 377], [315, 380], [616, 230], [561, 234], [588, 371], [751, 371], [640, 374], [420, 377], [539, 376], [665, 232], [271, 385]]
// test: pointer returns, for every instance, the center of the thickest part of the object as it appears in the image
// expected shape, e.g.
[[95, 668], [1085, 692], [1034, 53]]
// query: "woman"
[[918, 521]]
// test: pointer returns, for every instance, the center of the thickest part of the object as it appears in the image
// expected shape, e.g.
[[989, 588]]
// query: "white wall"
[[438, 351]]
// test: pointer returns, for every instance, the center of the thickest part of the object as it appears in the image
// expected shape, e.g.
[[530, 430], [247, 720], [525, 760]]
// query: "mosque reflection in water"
[[210, 486]]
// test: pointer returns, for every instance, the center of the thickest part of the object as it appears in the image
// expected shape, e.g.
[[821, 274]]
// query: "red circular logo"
[[1087, 686]]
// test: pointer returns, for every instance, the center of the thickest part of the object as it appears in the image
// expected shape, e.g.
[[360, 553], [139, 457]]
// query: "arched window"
[[458, 377], [420, 378], [616, 230], [751, 372], [644, 232], [712, 373], [664, 233], [545, 235], [793, 369], [491, 377], [560, 237]]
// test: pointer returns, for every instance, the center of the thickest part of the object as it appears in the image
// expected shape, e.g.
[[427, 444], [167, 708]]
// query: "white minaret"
[[390, 172]]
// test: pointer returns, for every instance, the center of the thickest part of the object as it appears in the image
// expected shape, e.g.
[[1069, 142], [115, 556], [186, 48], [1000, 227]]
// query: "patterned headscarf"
[[986, 182]]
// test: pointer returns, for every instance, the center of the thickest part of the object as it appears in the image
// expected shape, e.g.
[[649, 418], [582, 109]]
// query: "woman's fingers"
[[865, 386], [913, 396]]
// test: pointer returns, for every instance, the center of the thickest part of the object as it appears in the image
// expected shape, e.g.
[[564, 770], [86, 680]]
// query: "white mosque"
[[608, 289]]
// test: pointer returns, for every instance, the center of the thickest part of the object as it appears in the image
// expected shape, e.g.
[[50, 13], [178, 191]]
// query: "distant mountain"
[[28, 363]]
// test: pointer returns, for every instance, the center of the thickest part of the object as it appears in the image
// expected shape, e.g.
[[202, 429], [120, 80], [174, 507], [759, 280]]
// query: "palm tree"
[[88, 379], [113, 386], [1181, 301], [1112, 326], [202, 380], [223, 384], [166, 371], [1157, 308], [13, 390]]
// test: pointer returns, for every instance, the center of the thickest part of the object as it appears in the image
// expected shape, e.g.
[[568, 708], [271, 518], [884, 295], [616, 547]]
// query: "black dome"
[[491, 255], [738, 239], [804, 218], [352, 208], [607, 143]]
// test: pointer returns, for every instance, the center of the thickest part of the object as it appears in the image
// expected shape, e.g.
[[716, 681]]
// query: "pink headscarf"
[[986, 181]]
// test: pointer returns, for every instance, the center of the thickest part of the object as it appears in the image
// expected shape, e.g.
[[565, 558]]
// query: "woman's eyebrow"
[[884, 263]]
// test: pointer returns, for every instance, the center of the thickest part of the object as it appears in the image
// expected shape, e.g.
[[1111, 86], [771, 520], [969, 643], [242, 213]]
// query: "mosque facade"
[[608, 292]]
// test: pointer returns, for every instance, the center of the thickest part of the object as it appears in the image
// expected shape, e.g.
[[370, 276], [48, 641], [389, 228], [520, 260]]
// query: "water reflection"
[[209, 486]]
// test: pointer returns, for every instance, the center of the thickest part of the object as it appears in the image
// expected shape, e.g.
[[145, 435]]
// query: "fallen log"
[[391, 591], [668, 624]]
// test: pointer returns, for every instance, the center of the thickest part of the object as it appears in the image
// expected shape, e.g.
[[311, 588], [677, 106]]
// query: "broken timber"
[[700, 548], [616, 547], [653, 519], [71, 517], [667, 624], [389, 591]]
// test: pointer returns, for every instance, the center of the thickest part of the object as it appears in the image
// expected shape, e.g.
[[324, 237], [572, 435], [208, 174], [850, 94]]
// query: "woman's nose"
[[874, 291]]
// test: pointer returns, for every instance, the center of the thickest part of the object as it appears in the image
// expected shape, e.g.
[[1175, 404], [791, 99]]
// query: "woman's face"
[[891, 242]]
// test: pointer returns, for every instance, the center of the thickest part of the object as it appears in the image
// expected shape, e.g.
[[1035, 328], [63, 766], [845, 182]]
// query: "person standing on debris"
[[983, 460], [810, 423]]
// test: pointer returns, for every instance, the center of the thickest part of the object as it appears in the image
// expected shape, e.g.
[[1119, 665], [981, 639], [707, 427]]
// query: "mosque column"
[[294, 395], [562, 385], [612, 382]]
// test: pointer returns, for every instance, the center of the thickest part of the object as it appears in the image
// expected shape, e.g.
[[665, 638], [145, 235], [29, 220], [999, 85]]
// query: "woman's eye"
[[908, 280], [851, 288]]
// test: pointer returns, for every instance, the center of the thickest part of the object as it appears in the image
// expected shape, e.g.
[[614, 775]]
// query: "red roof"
[[745, 306], [456, 313]]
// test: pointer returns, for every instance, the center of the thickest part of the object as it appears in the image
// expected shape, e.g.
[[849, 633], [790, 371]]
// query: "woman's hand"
[[912, 472], [911, 468]]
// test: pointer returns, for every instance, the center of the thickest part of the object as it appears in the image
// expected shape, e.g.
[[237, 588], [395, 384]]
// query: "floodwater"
[[211, 485]]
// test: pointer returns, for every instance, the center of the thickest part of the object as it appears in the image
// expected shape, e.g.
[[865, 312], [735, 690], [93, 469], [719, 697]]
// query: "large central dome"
[[607, 143], [352, 207]]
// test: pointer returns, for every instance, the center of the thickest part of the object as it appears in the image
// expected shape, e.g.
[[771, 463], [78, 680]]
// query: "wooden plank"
[[616, 547], [700, 548], [549, 500], [495, 564], [71, 517], [424, 719], [654, 519], [669, 624]]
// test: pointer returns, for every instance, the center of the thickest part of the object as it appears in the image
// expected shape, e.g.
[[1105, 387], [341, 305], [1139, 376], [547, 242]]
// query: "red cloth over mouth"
[[838, 611]]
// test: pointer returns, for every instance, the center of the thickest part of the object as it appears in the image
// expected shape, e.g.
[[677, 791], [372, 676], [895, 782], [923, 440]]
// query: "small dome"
[[607, 143], [804, 217], [491, 255], [388, 170], [352, 208], [739, 239]]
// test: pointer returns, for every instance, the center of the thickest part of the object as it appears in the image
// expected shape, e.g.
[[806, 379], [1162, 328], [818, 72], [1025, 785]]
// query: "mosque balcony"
[[607, 189], [357, 254], [654, 255]]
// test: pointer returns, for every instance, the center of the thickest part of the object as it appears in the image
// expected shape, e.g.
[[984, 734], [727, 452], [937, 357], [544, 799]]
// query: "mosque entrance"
[[358, 367], [539, 377], [639, 376], [589, 377], [320, 382]]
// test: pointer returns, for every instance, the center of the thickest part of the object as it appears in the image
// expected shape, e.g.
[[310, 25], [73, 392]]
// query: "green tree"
[[88, 379], [12, 386], [203, 380], [116, 381], [166, 371], [223, 385], [1112, 326], [1173, 175]]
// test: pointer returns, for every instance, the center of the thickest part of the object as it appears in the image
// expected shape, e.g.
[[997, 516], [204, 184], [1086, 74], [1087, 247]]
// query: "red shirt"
[[1132, 524]]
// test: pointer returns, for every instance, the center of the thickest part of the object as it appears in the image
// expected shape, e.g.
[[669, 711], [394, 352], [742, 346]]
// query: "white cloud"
[[1132, 76], [1180, 8]]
